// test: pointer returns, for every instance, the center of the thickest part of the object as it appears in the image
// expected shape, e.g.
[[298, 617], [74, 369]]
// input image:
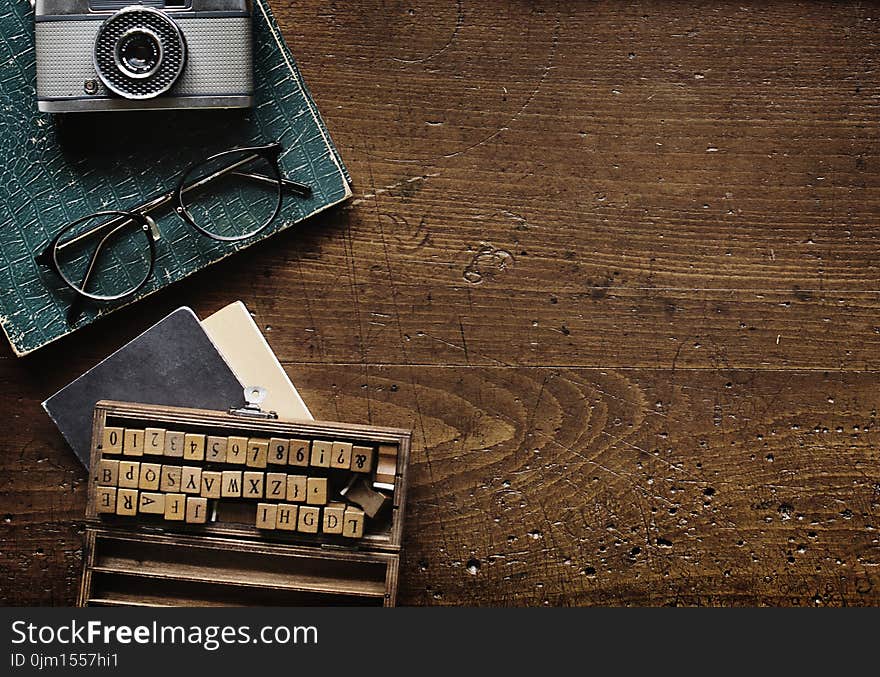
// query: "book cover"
[[246, 351], [57, 168], [173, 363]]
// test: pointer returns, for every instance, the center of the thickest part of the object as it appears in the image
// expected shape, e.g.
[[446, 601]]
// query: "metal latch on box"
[[253, 397]]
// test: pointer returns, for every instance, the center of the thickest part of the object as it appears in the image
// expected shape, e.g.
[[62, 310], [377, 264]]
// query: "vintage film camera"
[[102, 55]]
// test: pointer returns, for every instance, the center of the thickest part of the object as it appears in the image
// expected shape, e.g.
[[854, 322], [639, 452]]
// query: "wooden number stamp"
[[111, 443], [154, 441], [193, 447], [236, 450], [133, 442], [174, 444], [257, 452], [278, 451], [215, 449], [298, 452]]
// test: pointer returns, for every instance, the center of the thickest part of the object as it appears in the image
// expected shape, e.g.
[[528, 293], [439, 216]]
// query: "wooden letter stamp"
[[196, 509], [175, 507], [231, 484], [252, 486], [129, 474], [276, 486], [266, 514], [191, 480], [309, 519], [108, 472], [353, 523], [105, 499], [211, 483], [333, 516], [126, 501], [170, 480], [152, 503], [150, 474], [286, 517]]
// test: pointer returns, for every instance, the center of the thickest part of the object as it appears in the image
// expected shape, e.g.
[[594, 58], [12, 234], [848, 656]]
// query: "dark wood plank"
[[571, 486], [639, 238]]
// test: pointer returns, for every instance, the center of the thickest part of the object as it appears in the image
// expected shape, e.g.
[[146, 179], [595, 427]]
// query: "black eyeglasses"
[[110, 255]]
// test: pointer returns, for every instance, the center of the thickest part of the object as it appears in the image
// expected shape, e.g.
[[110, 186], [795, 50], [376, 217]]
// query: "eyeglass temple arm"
[[160, 201], [73, 312], [301, 189]]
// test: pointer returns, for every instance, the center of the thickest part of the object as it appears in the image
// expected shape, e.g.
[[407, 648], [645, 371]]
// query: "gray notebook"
[[172, 363]]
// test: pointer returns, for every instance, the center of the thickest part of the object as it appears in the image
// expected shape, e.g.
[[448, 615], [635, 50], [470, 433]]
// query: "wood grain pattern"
[[616, 266]]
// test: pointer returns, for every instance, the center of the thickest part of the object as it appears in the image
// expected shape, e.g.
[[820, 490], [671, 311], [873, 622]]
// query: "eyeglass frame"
[[140, 214]]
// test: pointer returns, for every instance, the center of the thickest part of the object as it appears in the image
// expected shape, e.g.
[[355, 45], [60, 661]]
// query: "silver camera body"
[[103, 55]]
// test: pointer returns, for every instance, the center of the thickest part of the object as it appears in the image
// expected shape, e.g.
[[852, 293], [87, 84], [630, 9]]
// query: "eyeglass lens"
[[232, 205], [108, 262]]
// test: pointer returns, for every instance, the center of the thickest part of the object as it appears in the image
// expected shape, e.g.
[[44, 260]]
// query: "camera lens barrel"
[[139, 52]]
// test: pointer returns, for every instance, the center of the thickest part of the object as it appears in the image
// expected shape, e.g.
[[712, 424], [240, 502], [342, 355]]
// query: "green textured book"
[[55, 169]]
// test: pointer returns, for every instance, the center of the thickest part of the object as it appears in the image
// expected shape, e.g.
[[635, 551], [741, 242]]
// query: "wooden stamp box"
[[188, 507]]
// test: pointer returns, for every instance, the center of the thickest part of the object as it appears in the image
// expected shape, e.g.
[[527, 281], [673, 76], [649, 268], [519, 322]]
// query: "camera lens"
[[139, 52]]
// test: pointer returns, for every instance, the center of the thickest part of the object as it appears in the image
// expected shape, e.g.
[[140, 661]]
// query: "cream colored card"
[[237, 337]]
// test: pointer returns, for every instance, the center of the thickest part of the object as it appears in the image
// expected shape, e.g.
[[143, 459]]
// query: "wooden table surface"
[[616, 266]]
